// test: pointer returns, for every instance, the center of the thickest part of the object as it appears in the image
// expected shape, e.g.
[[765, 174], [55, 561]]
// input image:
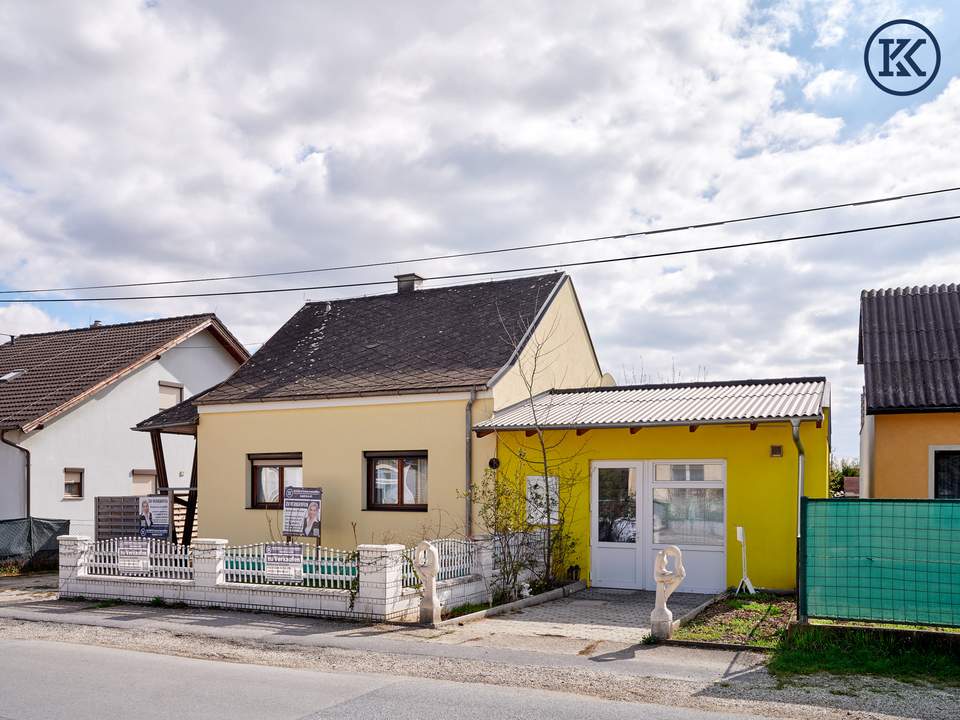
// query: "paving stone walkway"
[[619, 616]]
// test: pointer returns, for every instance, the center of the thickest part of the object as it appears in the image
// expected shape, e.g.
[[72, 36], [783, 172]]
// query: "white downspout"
[[468, 465], [801, 468]]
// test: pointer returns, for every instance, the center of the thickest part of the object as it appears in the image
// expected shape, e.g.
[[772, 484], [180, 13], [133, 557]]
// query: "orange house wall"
[[901, 454]]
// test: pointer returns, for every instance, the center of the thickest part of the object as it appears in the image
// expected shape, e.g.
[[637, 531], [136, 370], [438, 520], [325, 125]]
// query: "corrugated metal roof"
[[910, 348], [674, 404]]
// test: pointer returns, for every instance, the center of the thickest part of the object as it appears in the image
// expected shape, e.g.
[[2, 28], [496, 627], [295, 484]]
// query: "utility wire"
[[494, 251], [486, 273]]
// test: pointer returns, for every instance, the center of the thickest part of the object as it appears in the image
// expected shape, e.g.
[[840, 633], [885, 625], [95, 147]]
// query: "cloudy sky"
[[157, 140]]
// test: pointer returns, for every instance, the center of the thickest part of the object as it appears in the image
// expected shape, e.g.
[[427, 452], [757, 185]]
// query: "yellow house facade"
[[372, 400], [639, 468]]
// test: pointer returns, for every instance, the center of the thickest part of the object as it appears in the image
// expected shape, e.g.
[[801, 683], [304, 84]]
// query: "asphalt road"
[[50, 680]]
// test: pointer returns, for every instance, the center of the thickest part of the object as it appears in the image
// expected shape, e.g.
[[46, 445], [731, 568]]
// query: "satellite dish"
[[607, 380]]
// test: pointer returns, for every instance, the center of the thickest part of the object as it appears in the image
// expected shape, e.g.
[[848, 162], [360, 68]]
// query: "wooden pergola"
[[180, 419]]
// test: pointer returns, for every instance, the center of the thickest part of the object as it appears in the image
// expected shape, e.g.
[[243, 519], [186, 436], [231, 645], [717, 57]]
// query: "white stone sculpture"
[[661, 619], [427, 564]]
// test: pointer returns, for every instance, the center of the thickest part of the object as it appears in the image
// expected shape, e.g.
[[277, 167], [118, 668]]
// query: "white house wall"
[[96, 435], [13, 501]]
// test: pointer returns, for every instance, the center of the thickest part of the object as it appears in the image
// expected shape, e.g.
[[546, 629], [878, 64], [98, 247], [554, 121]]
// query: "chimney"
[[408, 282], [96, 323]]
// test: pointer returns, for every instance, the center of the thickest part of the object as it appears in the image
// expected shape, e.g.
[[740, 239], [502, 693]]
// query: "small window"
[[689, 472], [946, 474], [396, 481], [73, 482], [270, 474], [11, 375], [144, 482], [170, 394], [776, 451], [539, 495]]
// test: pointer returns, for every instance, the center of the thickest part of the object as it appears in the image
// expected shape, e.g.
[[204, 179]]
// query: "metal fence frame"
[[897, 587]]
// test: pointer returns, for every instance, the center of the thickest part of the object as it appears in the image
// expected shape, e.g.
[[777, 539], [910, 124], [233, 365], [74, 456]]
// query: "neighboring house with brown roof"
[[373, 399], [69, 398], [910, 430]]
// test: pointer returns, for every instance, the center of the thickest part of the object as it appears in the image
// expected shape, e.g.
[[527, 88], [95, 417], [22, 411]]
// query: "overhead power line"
[[491, 251], [487, 273]]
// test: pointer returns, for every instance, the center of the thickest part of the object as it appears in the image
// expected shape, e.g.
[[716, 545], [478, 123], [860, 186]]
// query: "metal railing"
[[458, 558], [325, 568], [165, 560], [410, 578]]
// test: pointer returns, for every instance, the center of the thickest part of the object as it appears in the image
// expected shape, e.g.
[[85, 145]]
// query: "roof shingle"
[[438, 339], [60, 366], [910, 348]]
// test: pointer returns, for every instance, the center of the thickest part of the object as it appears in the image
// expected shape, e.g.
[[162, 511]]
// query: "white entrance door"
[[640, 507]]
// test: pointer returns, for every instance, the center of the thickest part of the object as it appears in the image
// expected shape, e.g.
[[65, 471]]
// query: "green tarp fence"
[[894, 561], [31, 542]]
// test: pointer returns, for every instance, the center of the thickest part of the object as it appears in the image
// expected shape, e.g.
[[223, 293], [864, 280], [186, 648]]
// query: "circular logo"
[[902, 57]]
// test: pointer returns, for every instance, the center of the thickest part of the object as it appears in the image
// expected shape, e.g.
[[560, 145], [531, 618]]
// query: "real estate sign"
[[301, 511], [133, 557], [283, 562], [153, 516]]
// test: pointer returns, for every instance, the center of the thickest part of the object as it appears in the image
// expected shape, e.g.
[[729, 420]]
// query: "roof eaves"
[[665, 423], [342, 395]]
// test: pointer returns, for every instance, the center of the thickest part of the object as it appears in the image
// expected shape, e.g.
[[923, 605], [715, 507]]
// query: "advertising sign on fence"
[[133, 557], [283, 562], [154, 516], [301, 511]]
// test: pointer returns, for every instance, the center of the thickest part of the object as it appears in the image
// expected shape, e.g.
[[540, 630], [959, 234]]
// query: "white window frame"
[[705, 484], [553, 490], [932, 451]]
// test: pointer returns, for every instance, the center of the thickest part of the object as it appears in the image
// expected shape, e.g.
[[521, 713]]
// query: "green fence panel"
[[892, 561]]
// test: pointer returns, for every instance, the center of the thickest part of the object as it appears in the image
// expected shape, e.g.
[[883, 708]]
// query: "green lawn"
[[762, 621], [862, 652]]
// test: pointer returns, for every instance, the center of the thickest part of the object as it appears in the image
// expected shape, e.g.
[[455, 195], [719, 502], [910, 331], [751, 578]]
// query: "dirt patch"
[[753, 620]]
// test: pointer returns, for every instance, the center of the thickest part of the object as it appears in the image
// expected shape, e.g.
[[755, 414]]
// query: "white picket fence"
[[166, 560], [322, 567]]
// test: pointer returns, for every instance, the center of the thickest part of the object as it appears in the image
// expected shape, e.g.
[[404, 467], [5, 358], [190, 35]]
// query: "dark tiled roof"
[[425, 340], [910, 348], [61, 366]]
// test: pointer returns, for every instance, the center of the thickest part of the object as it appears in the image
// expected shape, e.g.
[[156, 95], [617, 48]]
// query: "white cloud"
[[188, 139], [834, 16], [829, 83], [20, 319]]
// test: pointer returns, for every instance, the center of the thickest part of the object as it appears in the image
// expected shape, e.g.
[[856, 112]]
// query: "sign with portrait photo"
[[153, 516], [301, 512]]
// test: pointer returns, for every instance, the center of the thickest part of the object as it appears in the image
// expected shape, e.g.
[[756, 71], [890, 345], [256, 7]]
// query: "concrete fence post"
[[381, 579], [486, 563], [207, 555], [74, 554]]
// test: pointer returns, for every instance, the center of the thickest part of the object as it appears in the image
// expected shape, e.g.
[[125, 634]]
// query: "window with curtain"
[[270, 474], [396, 481], [688, 504]]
